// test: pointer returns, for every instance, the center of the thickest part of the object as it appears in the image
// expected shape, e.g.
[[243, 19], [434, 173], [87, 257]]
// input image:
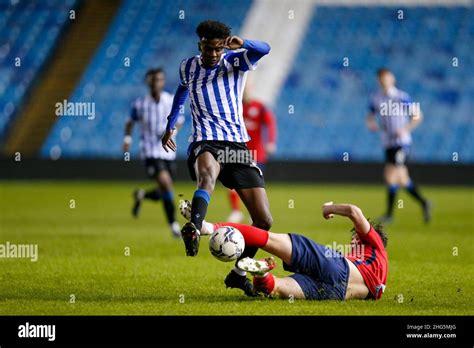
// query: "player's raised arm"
[[256, 49], [351, 211], [253, 51]]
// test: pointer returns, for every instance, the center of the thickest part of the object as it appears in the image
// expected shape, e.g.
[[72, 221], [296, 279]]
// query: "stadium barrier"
[[307, 172]]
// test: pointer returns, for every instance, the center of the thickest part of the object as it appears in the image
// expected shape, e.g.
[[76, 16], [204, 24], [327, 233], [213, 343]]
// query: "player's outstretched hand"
[[327, 211], [167, 140], [233, 42]]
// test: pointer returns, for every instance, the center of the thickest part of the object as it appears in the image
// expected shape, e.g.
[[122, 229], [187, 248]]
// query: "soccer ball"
[[227, 244]]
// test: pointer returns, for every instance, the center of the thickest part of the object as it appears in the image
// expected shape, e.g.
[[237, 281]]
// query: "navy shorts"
[[397, 155], [321, 272], [155, 165]]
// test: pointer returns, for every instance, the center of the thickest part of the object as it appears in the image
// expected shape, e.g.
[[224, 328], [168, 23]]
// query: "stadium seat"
[[29, 31]]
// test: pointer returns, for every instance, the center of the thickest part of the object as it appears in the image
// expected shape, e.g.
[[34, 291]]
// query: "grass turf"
[[82, 252]]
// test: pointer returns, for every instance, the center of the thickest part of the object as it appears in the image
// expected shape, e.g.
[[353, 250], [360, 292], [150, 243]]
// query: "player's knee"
[[206, 179], [165, 185], [286, 289], [264, 222]]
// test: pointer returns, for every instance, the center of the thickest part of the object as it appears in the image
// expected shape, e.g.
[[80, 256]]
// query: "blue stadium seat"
[[28, 31]]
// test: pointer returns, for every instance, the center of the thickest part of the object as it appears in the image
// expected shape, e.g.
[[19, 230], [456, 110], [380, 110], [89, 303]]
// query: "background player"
[[150, 111], [215, 80], [258, 120], [397, 116], [321, 273]]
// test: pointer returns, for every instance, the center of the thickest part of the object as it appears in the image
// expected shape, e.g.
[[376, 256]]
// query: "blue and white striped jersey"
[[216, 93], [152, 117], [394, 112]]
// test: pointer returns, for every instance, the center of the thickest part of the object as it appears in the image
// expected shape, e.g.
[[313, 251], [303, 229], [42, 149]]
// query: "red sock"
[[234, 200], [264, 284], [253, 236]]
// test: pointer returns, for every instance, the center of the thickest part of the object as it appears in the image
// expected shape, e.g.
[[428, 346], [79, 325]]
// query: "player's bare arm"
[[371, 122], [350, 211], [127, 140]]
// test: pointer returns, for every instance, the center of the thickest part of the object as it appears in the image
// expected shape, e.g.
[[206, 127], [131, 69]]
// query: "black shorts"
[[155, 165], [397, 155], [238, 169]]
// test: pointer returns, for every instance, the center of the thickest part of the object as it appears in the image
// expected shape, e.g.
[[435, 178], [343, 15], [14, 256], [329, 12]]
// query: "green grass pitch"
[[82, 252]]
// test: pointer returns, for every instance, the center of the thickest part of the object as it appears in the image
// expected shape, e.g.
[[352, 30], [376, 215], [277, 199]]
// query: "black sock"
[[413, 191], [391, 194], [199, 207], [168, 204], [154, 195], [248, 252]]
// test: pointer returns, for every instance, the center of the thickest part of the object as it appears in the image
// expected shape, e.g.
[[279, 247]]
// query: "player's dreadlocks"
[[212, 30], [378, 227]]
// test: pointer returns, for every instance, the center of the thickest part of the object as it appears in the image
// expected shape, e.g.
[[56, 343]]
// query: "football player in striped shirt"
[[215, 80], [150, 112], [397, 117]]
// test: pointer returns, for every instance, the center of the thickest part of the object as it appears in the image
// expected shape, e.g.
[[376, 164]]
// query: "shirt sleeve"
[[134, 112], [247, 57], [178, 101], [181, 118], [182, 73], [405, 98], [372, 106]]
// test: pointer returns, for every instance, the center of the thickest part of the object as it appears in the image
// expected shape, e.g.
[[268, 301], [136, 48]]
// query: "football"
[[227, 244]]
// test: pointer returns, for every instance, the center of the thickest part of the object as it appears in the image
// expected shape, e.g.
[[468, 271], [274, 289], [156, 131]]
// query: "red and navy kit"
[[371, 261], [256, 117]]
